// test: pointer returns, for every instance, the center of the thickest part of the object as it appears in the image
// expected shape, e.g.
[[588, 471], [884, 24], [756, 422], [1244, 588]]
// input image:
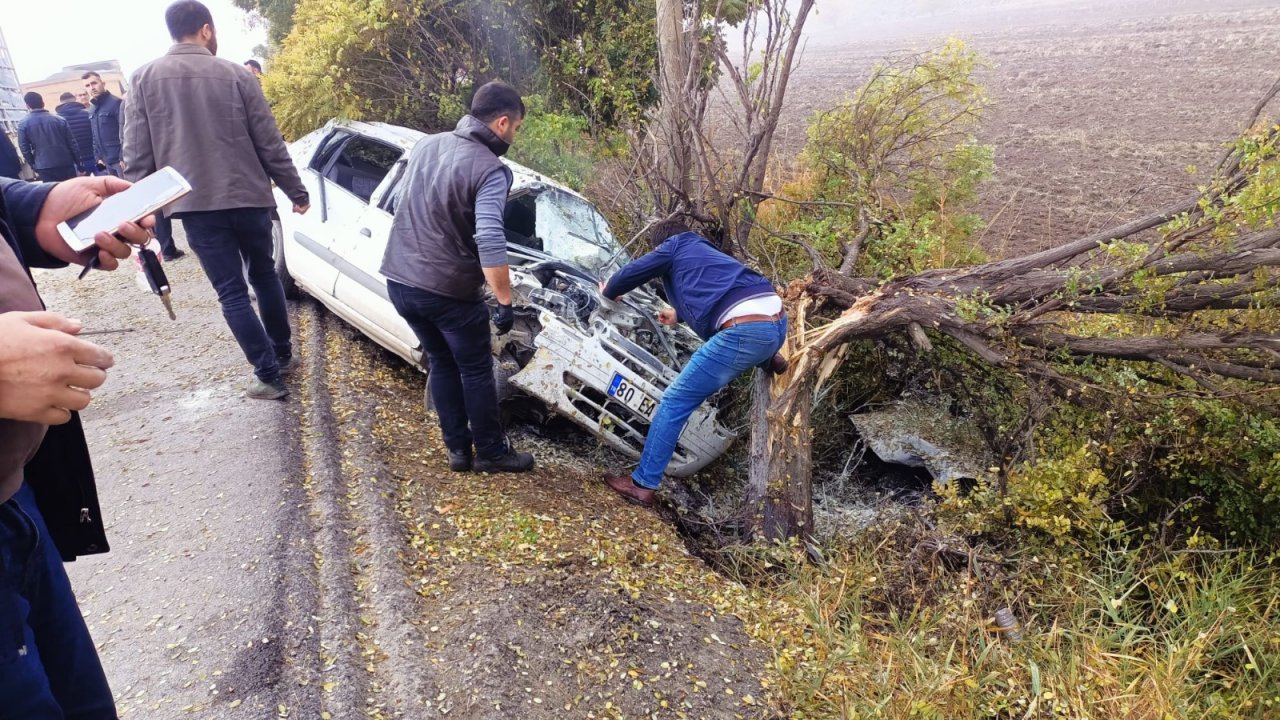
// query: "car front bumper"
[[571, 371]]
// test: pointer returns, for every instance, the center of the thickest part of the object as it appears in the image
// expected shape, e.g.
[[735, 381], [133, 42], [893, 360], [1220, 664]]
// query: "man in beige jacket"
[[207, 118]]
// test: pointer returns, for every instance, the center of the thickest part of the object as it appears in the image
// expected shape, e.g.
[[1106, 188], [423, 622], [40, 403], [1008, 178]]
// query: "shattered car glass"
[[603, 365]]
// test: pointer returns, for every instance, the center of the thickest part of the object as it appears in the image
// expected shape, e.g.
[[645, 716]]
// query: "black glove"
[[503, 318]]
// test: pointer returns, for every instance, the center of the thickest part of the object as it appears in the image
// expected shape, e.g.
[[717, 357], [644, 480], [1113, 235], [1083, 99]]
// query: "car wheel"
[[282, 268]]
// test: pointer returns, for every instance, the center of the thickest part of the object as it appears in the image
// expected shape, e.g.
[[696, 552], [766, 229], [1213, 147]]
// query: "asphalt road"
[[204, 602]]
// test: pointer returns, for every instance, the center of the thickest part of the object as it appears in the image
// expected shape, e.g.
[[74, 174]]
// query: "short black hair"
[[665, 230], [34, 100], [66, 97], [253, 64], [186, 17], [90, 74], [495, 99]]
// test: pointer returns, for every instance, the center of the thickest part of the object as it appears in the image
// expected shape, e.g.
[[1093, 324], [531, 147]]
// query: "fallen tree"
[[1191, 288]]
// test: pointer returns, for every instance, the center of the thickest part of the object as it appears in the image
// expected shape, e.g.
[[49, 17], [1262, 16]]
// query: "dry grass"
[[894, 628]]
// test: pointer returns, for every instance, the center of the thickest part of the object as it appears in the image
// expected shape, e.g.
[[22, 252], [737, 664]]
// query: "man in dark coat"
[[10, 165], [49, 667], [106, 118], [46, 142], [77, 118]]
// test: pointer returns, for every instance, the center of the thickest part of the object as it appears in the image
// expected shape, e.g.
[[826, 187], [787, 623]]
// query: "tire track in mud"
[[371, 642]]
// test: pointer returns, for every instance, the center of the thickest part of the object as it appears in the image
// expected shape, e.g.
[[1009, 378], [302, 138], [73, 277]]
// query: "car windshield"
[[573, 230]]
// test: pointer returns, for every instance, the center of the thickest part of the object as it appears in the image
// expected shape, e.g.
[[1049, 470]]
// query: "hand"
[[667, 316], [503, 318], [604, 284], [301, 209], [46, 372], [74, 196]]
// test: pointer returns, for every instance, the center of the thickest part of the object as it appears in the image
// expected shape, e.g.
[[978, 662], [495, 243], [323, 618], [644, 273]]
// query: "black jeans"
[[225, 242], [164, 234], [455, 337], [57, 174]]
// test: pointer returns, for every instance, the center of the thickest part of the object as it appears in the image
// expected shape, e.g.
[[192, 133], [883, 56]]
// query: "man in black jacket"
[[46, 142], [77, 118], [10, 165], [106, 119], [49, 667]]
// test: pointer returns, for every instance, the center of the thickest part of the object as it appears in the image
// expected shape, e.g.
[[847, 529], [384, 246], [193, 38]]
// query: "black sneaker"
[[460, 461], [512, 461], [174, 255]]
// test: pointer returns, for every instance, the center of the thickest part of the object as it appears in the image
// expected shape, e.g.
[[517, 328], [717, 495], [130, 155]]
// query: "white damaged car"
[[601, 364]]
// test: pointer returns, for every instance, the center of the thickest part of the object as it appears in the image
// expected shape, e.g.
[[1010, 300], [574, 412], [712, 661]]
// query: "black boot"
[[460, 461], [512, 461]]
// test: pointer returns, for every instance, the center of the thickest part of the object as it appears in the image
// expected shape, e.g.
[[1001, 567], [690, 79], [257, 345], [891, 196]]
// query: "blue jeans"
[[49, 668], [721, 359], [226, 242], [456, 340]]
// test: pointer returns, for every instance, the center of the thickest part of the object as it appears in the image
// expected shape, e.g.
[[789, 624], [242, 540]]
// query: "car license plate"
[[632, 396]]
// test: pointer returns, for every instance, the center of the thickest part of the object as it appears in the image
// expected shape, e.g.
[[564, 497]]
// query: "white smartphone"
[[144, 197]]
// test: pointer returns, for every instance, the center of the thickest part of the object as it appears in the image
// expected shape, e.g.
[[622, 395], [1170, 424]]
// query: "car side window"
[[361, 165], [327, 149], [391, 197]]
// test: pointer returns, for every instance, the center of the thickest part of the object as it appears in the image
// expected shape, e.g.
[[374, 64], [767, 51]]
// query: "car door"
[[359, 245], [308, 239]]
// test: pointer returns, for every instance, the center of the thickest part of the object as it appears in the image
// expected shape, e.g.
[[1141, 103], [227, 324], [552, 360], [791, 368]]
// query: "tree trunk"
[[779, 490], [673, 149]]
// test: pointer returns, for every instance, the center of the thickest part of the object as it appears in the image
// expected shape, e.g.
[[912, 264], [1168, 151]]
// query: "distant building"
[[68, 80], [12, 109]]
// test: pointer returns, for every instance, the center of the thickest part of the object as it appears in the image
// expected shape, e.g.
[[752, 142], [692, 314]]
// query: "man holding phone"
[[49, 667], [207, 118]]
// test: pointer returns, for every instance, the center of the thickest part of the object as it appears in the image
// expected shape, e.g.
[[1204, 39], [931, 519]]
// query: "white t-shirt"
[[767, 305]]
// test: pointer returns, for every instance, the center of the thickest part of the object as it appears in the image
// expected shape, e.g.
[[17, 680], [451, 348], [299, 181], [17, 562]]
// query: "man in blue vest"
[[734, 309], [447, 242]]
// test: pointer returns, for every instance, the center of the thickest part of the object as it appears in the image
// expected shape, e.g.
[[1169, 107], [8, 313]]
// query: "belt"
[[744, 319]]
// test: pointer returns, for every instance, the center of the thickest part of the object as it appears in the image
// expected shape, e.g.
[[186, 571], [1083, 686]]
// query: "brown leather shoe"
[[632, 493], [778, 364]]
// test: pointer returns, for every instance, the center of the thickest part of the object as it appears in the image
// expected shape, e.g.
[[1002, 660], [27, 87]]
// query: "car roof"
[[406, 138]]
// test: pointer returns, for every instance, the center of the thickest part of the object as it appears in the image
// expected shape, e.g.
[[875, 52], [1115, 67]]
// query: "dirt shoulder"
[[536, 595]]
